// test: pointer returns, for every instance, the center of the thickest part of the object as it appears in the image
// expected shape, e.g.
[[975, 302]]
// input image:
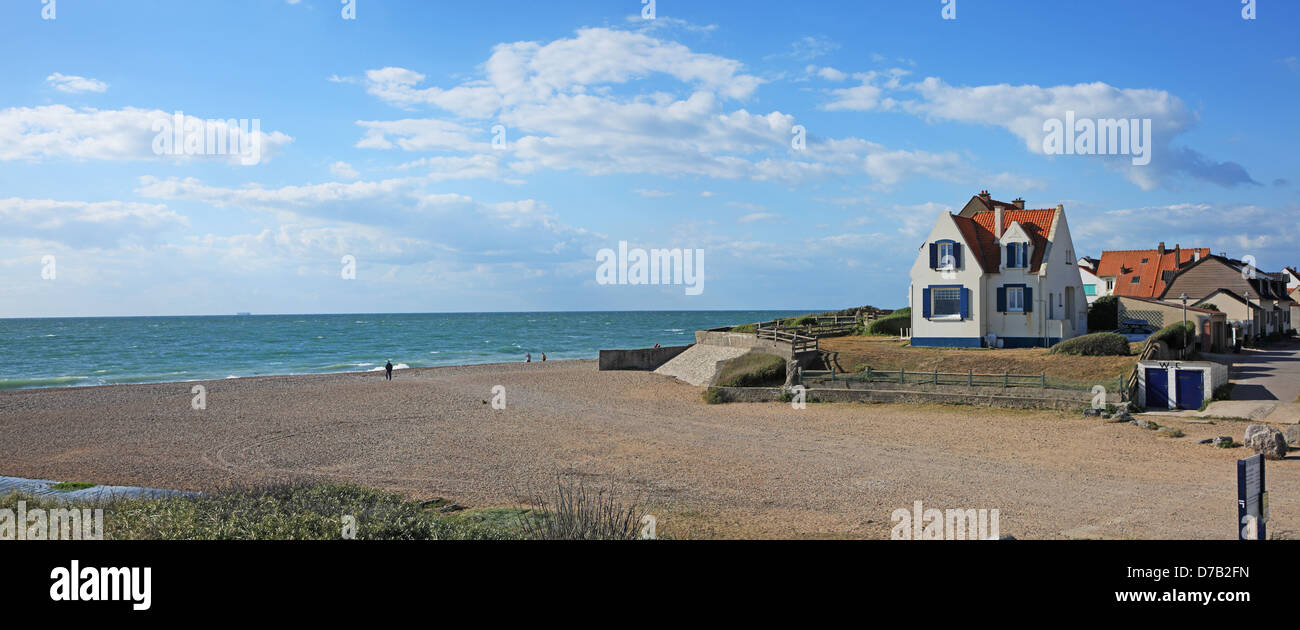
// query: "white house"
[[1093, 286], [1005, 277]]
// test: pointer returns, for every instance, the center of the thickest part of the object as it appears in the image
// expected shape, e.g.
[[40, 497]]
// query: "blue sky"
[[376, 138]]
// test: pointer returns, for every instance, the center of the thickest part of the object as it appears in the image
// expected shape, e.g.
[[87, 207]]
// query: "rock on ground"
[[1266, 440]]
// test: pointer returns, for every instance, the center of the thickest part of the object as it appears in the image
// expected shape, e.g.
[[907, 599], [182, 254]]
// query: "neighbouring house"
[[1214, 279], [1144, 272], [1093, 286], [1293, 290], [997, 275], [1212, 330]]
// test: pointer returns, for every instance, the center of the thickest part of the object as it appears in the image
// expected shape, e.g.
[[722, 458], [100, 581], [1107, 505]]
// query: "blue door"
[[1158, 388], [1191, 388]]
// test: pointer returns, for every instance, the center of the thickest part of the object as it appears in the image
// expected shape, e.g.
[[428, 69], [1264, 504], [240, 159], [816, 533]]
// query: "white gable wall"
[[952, 331]]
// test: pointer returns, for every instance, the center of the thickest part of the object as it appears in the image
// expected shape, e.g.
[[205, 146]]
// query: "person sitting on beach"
[[388, 370]]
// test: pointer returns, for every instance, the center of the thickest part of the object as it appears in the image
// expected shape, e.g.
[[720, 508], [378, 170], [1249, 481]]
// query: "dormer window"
[[1017, 255]]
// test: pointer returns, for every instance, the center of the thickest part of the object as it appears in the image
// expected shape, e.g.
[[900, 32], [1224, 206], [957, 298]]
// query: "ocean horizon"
[[87, 351]]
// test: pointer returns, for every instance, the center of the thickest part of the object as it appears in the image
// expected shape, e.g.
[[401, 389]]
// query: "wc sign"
[[1252, 499]]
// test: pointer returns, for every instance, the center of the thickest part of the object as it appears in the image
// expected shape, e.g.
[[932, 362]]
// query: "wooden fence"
[[935, 377]]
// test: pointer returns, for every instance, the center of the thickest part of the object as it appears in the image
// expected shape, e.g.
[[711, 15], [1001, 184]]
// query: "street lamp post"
[[1183, 297]]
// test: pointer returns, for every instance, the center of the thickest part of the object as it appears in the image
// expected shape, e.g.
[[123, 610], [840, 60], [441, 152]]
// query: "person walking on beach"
[[528, 357], [543, 357], [388, 370]]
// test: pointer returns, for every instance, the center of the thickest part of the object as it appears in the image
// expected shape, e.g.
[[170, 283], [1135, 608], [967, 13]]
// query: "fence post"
[[1044, 380], [1006, 379], [970, 378], [868, 373], [902, 376], [936, 376]]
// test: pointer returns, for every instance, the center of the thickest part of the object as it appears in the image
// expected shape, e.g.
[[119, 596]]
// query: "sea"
[[87, 351]]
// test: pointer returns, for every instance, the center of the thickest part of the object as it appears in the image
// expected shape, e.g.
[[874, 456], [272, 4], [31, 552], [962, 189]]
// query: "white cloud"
[[1023, 110], [652, 194], [344, 170], [86, 224], [758, 216], [74, 84], [61, 132], [560, 111]]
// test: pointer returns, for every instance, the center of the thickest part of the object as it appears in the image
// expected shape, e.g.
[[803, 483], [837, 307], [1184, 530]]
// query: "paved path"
[[1266, 384], [44, 488]]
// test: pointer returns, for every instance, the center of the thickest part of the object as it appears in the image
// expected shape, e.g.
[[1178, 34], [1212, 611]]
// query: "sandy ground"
[[738, 470]]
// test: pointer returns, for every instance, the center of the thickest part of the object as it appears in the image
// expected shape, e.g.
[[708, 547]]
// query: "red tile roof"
[[1124, 265], [1037, 223]]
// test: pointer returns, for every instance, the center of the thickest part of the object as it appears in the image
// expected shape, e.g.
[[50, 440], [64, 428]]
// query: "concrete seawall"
[[645, 359]]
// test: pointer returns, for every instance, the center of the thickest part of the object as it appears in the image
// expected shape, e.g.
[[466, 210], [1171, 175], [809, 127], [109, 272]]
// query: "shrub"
[[753, 370], [1170, 432], [1176, 335], [1103, 314], [744, 328], [571, 511], [1094, 345], [891, 324], [1209, 307], [297, 511], [714, 396], [802, 320]]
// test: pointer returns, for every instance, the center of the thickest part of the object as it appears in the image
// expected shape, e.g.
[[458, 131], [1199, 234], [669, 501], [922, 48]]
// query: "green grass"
[[744, 328], [68, 486], [891, 324], [753, 370]]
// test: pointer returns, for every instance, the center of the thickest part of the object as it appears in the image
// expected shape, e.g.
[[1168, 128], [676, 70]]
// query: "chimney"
[[1178, 254], [1019, 203], [986, 198], [1161, 248], [997, 222]]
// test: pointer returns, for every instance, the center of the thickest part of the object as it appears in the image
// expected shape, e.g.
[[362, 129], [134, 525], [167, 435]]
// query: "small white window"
[[1016, 299], [945, 255]]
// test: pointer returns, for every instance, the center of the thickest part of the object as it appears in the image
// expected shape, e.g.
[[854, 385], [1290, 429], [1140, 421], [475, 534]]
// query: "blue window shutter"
[[934, 255], [965, 303], [1002, 299], [1029, 300], [1011, 255], [1024, 256], [925, 302], [956, 255]]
